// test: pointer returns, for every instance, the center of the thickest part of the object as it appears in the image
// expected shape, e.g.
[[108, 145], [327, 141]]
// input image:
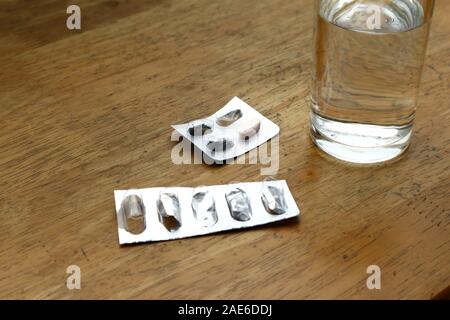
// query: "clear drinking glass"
[[367, 65]]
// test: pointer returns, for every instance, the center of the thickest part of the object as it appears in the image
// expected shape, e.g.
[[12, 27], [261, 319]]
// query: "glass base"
[[359, 143]]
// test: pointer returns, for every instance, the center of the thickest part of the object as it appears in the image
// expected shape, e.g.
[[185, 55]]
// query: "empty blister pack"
[[157, 214], [232, 131]]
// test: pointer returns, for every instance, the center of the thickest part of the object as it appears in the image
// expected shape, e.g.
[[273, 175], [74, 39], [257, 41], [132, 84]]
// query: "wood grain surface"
[[86, 112]]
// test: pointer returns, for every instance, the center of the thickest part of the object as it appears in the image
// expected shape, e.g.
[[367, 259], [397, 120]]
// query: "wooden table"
[[86, 112]]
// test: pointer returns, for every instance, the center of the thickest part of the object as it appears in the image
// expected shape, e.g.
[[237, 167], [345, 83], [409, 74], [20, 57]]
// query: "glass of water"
[[367, 65]]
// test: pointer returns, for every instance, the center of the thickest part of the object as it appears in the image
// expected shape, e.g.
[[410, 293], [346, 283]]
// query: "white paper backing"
[[190, 226], [267, 131]]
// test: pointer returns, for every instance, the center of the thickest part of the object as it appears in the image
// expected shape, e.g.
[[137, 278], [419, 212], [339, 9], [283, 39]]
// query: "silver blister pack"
[[239, 204], [230, 132], [169, 210], [158, 214], [204, 207]]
